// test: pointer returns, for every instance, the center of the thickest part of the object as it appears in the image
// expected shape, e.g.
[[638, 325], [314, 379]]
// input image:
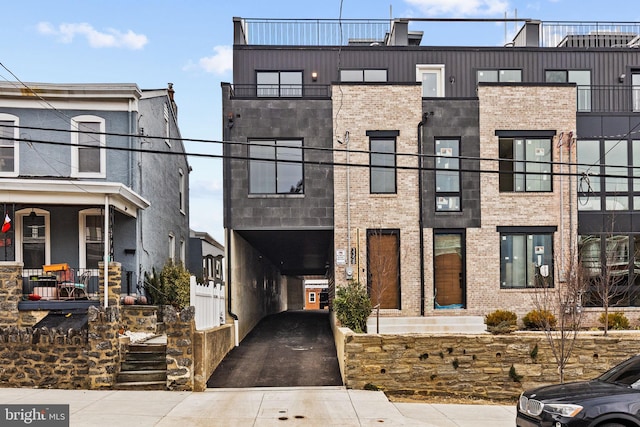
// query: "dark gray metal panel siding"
[[452, 119], [310, 120], [606, 65]]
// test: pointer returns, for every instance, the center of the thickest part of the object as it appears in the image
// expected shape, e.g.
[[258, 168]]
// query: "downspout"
[[231, 313], [420, 209]]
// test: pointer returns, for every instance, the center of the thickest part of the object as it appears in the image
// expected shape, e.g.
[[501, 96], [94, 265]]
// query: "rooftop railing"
[[590, 34]]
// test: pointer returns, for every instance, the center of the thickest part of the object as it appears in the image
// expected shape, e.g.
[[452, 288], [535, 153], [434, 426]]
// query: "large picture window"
[[383, 162], [9, 134], [526, 258], [525, 164], [275, 167]]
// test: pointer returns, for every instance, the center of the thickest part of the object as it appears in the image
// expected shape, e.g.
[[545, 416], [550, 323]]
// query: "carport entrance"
[[289, 349]]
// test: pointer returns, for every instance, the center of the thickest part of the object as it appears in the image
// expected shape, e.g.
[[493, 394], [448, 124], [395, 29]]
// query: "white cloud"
[[109, 38], [461, 8], [220, 62]]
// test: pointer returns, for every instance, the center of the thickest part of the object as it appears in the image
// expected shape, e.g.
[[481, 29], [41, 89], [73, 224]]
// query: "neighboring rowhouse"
[[444, 178], [90, 172]]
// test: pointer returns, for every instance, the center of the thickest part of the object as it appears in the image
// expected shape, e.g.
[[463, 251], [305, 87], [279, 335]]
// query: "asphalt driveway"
[[289, 349]]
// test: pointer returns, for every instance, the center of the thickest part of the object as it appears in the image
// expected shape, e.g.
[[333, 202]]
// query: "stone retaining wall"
[[140, 318], [180, 328], [488, 366]]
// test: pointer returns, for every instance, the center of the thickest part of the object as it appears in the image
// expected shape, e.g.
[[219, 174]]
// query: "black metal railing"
[[50, 284], [314, 91], [611, 99]]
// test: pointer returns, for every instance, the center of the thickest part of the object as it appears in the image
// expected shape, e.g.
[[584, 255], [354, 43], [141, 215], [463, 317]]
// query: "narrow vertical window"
[[91, 238], [182, 190], [167, 128], [382, 159], [447, 175], [172, 247], [88, 155], [9, 134]]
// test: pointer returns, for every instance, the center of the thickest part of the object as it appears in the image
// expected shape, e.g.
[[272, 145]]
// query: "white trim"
[[312, 297], [167, 128], [82, 233], [16, 144], [18, 216], [76, 125], [172, 247], [183, 252], [438, 70], [182, 191]]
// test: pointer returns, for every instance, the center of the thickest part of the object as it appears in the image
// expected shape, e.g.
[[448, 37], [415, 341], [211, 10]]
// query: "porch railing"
[[209, 301], [60, 284]]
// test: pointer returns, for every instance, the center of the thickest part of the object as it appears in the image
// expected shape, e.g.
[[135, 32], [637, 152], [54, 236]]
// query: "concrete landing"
[[428, 325]]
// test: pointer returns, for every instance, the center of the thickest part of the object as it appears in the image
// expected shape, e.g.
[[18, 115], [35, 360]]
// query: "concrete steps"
[[144, 368], [428, 325]]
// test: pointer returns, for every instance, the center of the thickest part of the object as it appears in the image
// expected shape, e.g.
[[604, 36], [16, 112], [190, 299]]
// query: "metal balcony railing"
[[609, 99], [281, 91], [590, 34]]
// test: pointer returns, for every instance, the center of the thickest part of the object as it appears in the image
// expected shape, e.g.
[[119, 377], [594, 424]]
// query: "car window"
[[627, 373]]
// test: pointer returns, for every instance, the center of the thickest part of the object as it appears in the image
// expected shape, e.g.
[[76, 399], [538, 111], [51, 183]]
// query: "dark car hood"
[[577, 392]]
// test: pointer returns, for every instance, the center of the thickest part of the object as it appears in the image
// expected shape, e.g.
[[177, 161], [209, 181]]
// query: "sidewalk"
[[295, 406]]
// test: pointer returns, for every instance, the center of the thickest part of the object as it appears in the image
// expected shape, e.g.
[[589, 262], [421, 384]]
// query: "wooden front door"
[[448, 271], [383, 265]]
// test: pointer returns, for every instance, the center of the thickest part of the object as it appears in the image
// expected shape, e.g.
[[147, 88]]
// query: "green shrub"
[[169, 287], [538, 320], [352, 306], [501, 322], [617, 321]]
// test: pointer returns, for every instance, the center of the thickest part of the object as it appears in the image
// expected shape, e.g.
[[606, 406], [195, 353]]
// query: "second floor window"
[[447, 175], [279, 84], [501, 76], [582, 79], [275, 167], [363, 75], [88, 155], [525, 164], [383, 165], [8, 145]]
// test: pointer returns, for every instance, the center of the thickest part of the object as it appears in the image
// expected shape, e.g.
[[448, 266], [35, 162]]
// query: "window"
[[183, 252], [182, 191], [582, 78], [635, 90], [279, 84], [383, 162], [588, 170], [172, 247], [499, 76], [526, 259], [525, 164], [275, 167], [88, 156], [363, 75], [611, 266], [312, 297], [432, 79], [447, 175], [33, 238], [91, 238], [9, 133]]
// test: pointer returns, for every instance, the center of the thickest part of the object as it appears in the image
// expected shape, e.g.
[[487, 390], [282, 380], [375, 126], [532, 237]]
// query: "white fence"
[[209, 301]]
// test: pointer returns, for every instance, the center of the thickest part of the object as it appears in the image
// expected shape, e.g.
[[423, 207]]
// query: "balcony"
[[608, 99]]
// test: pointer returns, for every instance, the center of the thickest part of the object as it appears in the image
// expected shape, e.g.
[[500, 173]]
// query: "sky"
[[189, 43]]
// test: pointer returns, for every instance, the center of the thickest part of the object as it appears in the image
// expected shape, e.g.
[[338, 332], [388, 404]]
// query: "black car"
[[611, 400]]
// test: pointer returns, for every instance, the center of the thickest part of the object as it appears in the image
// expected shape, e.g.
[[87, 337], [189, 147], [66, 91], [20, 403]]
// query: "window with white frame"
[[183, 251], [526, 257], [312, 297], [91, 222], [33, 240], [88, 153], [9, 134], [432, 78], [172, 247]]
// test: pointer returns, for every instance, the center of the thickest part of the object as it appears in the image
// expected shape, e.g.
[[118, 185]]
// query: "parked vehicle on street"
[[611, 400]]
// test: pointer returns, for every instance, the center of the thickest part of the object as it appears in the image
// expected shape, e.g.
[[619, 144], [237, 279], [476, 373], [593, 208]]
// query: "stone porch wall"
[[474, 365]]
